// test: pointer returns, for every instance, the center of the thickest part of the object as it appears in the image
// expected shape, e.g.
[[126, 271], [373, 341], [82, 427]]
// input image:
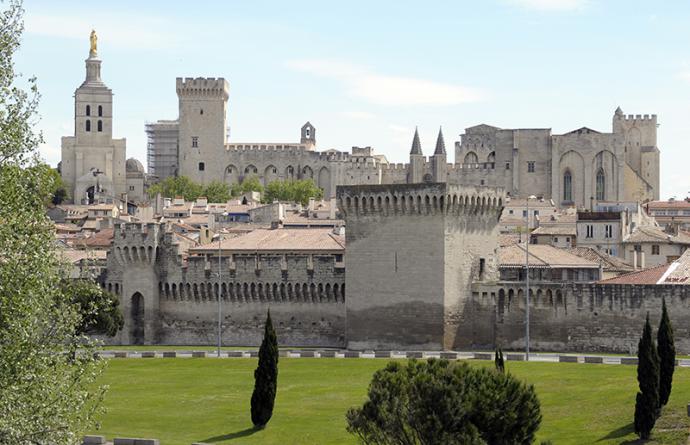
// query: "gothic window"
[[567, 186], [88, 110], [471, 158], [100, 125], [601, 185], [100, 111], [88, 125], [202, 166], [195, 141]]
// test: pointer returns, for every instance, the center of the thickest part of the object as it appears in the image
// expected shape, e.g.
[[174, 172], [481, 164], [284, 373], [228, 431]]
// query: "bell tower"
[[93, 163]]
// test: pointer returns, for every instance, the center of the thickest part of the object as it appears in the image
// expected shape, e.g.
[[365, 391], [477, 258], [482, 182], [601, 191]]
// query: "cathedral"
[[93, 165]]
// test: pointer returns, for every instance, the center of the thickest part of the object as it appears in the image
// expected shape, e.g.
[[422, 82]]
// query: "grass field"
[[181, 401]]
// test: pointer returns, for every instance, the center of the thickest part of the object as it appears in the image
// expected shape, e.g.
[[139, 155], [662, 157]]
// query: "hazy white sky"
[[367, 73]]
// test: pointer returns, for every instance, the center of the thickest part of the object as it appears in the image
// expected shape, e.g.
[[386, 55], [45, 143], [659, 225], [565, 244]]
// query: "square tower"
[[413, 251], [202, 123]]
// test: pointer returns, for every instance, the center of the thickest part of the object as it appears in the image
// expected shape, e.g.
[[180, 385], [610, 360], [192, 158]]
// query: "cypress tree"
[[647, 401], [265, 377], [667, 355], [498, 361]]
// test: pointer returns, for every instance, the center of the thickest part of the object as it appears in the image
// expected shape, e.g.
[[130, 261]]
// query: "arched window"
[[88, 110], [88, 125], [100, 125], [100, 111], [601, 185], [567, 186]]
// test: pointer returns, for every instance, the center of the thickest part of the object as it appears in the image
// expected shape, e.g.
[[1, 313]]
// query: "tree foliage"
[[445, 402], [292, 191], [47, 390], [174, 186], [647, 400], [249, 184], [265, 377], [217, 191], [99, 309], [667, 355]]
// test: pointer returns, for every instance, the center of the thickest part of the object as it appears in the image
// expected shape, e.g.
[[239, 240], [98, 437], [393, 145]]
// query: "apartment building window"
[[637, 248], [608, 231], [131, 188], [590, 231], [655, 249], [195, 141], [530, 166], [555, 239]]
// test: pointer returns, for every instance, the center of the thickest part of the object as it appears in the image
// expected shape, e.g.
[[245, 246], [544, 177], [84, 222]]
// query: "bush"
[[445, 402]]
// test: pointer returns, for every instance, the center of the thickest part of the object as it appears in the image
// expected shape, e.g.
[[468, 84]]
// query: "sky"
[[366, 73]]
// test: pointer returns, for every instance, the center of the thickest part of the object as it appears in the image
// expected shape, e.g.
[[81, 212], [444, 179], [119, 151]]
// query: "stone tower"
[[308, 136], [413, 252], [641, 152], [439, 169], [93, 163], [416, 172], [202, 125]]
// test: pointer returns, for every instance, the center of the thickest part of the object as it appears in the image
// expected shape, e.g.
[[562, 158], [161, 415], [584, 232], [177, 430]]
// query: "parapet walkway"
[[345, 354]]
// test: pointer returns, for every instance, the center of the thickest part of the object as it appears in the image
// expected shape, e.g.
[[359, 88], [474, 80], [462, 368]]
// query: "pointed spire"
[[416, 145], [618, 112], [440, 143]]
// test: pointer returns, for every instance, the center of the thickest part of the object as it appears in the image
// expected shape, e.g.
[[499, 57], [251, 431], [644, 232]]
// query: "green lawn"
[[181, 401]]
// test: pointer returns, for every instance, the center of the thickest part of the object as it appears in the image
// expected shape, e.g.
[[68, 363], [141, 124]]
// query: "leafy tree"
[[445, 402], [499, 362], [47, 390], [172, 187], [249, 184], [265, 377], [292, 191], [647, 400], [667, 355], [217, 191], [99, 309], [59, 192]]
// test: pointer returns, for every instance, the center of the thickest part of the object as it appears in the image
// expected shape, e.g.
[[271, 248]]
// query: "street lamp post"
[[527, 298]]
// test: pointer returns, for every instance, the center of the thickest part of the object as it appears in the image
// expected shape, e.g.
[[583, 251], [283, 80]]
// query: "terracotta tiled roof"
[[645, 276], [286, 240], [679, 271], [75, 256], [653, 234], [541, 255], [101, 239], [508, 239], [678, 204], [610, 263], [556, 229]]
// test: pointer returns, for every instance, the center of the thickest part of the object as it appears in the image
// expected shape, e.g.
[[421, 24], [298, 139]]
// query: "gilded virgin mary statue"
[[94, 44]]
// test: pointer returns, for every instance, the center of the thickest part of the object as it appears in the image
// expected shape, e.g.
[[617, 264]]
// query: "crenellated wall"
[[168, 298], [574, 317]]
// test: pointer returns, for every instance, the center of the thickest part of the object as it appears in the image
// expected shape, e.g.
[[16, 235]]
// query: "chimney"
[[332, 209]]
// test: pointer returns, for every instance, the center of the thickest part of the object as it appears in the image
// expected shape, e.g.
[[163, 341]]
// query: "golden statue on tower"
[[94, 44]]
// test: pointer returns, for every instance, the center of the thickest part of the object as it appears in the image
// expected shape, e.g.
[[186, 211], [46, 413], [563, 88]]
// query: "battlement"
[[202, 86], [137, 242], [651, 118], [419, 199], [286, 147]]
